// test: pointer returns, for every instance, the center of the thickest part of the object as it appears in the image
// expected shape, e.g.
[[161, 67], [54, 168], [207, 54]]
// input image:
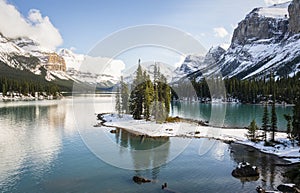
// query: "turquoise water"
[[43, 149], [235, 115]]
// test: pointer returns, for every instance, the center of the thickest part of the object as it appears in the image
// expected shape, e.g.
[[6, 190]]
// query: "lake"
[[231, 114], [52, 146]]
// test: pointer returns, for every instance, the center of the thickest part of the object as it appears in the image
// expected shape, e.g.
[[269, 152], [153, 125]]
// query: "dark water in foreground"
[[42, 150]]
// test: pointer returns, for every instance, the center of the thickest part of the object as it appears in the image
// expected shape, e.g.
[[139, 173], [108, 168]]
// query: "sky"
[[79, 25]]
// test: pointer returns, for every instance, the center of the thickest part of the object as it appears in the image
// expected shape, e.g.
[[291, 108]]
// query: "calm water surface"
[[41, 150], [236, 115]]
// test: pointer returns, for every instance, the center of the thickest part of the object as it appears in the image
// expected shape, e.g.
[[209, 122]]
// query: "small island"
[[145, 112]]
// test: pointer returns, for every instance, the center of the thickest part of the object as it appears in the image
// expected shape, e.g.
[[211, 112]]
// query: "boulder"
[[113, 131], [244, 169], [288, 188], [139, 179]]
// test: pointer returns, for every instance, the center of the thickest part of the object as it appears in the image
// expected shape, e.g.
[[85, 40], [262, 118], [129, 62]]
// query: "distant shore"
[[21, 97]]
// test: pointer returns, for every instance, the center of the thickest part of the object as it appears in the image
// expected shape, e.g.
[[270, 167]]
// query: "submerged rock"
[[288, 188], [244, 169], [113, 131], [261, 190], [139, 179]]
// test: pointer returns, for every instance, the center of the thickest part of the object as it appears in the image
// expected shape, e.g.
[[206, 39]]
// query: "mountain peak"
[[275, 11]]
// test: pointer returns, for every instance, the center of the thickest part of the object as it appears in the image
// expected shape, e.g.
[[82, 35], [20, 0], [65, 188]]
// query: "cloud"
[[220, 32], [35, 26], [115, 68], [272, 2]]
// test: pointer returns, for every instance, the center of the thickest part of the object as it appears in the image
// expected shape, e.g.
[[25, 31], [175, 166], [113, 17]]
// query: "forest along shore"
[[285, 149]]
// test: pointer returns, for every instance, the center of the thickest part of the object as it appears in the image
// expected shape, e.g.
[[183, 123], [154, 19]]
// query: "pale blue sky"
[[83, 23]]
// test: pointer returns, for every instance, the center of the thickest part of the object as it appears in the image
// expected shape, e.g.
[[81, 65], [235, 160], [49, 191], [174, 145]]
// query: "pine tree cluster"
[[147, 98]]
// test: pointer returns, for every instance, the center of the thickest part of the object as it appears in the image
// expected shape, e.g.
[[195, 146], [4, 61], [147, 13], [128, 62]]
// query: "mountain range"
[[266, 41]]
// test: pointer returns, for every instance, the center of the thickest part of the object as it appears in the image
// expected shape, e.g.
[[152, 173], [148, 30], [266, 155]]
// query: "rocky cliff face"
[[200, 65], [262, 23], [294, 13], [55, 63], [267, 40]]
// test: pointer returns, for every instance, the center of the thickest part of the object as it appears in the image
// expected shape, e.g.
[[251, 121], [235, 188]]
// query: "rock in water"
[[287, 188], [139, 179], [244, 169]]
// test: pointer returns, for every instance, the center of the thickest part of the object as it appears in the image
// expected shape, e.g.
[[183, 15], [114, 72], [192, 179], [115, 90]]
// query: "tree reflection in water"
[[270, 172], [157, 151]]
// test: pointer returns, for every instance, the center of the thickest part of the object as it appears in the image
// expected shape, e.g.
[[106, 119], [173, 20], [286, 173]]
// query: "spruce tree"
[[296, 118], [148, 96], [124, 96], [252, 131], [155, 107], [273, 121], [265, 122], [118, 107], [136, 97], [288, 118]]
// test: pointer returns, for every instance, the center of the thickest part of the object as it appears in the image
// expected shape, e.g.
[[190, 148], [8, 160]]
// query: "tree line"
[[251, 91], [145, 98], [26, 87]]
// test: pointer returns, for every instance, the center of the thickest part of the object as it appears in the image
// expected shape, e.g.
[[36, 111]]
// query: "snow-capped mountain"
[[23, 53], [73, 61], [267, 40], [190, 64], [264, 42], [206, 64], [99, 80], [78, 68], [16, 57], [165, 69]]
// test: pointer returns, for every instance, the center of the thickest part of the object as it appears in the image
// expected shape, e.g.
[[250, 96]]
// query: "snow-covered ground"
[[284, 149]]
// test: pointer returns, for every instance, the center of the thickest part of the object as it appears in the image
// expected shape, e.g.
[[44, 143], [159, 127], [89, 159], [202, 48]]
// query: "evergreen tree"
[[148, 96], [136, 97], [252, 131], [4, 89], [288, 118], [265, 122], [296, 119], [166, 92], [118, 107], [124, 96], [273, 121], [155, 106]]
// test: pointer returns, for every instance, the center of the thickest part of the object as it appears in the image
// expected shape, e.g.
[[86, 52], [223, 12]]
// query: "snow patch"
[[284, 149], [275, 11]]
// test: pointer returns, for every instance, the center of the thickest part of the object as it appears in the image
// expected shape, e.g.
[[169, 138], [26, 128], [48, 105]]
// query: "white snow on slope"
[[165, 69], [73, 61], [275, 11]]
